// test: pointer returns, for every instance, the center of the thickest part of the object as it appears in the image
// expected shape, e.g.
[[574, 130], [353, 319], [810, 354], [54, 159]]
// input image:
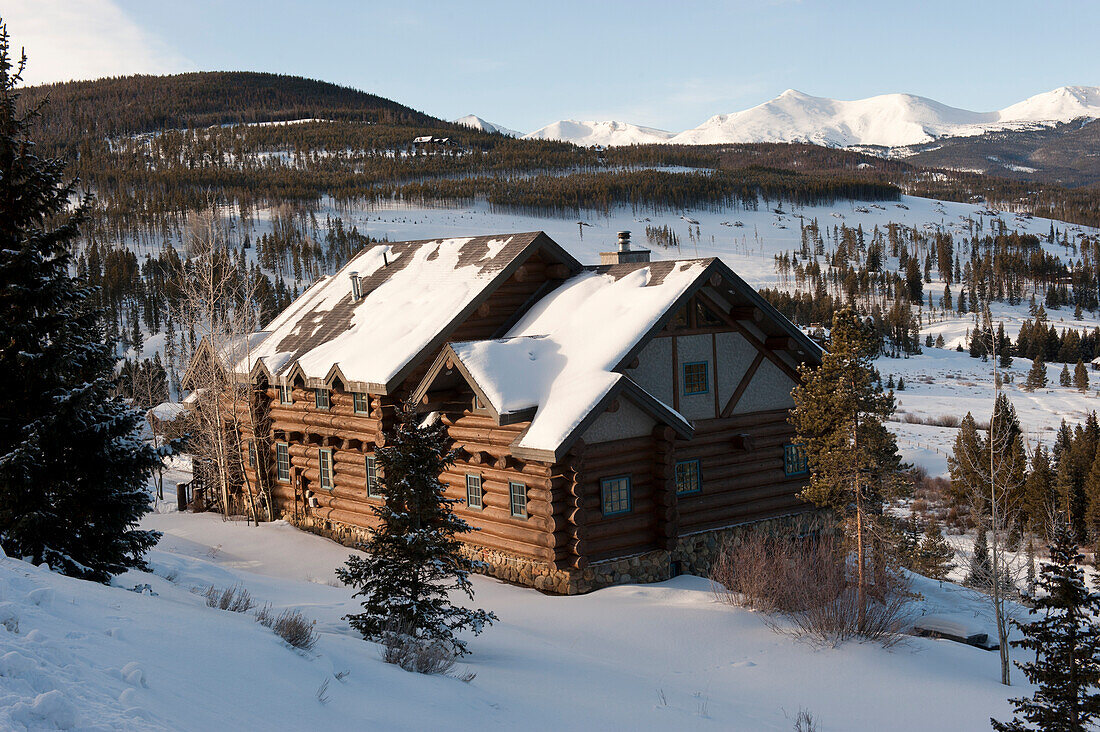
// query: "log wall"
[[739, 484]]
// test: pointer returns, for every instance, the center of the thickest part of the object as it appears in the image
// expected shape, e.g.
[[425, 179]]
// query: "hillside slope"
[[135, 104]]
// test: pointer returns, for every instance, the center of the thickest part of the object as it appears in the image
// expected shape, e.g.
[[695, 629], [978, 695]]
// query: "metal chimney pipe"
[[624, 241]]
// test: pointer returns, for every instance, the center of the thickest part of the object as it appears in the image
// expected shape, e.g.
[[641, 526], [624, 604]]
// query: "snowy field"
[[76, 655]]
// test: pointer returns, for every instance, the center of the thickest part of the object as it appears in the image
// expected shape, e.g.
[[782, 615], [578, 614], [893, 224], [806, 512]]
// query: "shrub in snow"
[[290, 625], [808, 582], [804, 722], [235, 599], [413, 559], [402, 648]]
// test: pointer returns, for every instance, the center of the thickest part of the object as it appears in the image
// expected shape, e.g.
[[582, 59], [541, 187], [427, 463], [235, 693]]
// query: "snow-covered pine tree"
[[1066, 642], [413, 558], [73, 472]]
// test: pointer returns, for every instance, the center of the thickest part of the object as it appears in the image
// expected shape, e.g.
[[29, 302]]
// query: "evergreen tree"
[[966, 477], [1004, 347], [73, 471], [1080, 376], [939, 341], [1037, 376], [1064, 378], [414, 558], [1092, 497], [935, 557], [839, 414], [1066, 642], [980, 573], [1039, 495]]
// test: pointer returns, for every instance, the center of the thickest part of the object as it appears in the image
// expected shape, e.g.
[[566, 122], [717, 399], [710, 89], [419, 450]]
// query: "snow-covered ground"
[[663, 656]]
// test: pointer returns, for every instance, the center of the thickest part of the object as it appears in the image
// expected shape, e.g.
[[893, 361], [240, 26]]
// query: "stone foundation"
[[693, 554]]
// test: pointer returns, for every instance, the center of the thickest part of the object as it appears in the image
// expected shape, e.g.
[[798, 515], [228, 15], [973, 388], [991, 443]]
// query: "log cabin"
[[613, 422]]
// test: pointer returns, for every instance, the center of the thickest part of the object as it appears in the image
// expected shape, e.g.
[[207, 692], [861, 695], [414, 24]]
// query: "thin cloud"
[[89, 39]]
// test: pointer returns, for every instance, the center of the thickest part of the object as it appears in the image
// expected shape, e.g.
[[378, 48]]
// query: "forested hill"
[[135, 104]]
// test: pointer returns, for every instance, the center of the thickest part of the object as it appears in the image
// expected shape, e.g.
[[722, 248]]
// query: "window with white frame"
[[518, 499], [372, 478], [473, 492], [324, 466], [615, 495], [360, 402], [282, 461], [286, 394]]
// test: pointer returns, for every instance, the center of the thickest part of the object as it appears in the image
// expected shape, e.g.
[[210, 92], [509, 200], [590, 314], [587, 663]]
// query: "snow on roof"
[[412, 292], [560, 357], [167, 411]]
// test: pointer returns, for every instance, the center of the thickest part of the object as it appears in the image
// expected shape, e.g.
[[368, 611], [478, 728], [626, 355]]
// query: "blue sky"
[[662, 64]]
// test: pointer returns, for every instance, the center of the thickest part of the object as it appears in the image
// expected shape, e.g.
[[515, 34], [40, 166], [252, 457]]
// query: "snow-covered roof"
[[412, 294], [563, 361], [560, 358], [166, 411]]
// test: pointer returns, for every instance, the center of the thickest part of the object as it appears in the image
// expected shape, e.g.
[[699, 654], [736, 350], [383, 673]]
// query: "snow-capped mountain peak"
[[887, 120], [477, 123], [604, 133]]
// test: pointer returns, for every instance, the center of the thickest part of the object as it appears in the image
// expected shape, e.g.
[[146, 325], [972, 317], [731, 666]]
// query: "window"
[[286, 394], [687, 477], [615, 495], [282, 461], [518, 493], [372, 478], [473, 492], [321, 398], [705, 317], [324, 464], [695, 378], [252, 453], [794, 460], [360, 403]]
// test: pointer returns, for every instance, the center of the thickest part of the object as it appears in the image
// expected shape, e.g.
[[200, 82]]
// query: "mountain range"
[[888, 120]]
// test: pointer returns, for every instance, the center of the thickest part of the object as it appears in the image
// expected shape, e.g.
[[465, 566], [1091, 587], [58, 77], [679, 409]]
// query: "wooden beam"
[[751, 338], [747, 312], [780, 343], [743, 385], [742, 441]]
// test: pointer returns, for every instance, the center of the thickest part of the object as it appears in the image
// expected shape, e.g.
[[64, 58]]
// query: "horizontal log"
[[747, 513], [691, 506]]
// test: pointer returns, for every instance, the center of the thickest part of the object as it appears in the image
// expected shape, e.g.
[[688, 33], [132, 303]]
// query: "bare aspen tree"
[[217, 301]]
